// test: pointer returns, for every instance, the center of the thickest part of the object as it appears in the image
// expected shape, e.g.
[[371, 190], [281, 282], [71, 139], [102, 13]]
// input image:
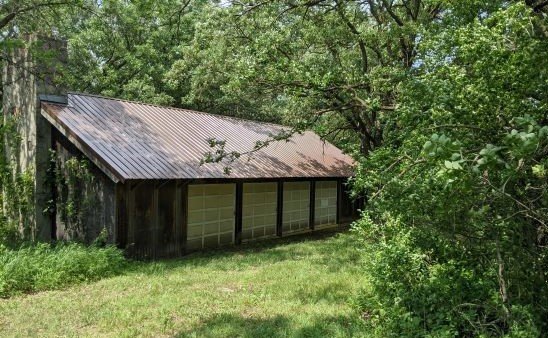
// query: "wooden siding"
[[98, 200], [174, 243]]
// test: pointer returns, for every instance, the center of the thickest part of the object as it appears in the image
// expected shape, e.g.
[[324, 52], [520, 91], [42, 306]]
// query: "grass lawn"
[[299, 287]]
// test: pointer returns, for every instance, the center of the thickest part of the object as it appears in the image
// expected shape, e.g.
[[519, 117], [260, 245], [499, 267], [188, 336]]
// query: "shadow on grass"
[[231, 325], [334, 292], [334, 250]]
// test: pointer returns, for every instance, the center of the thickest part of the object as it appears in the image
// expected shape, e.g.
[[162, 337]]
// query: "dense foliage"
[[458, 208], [43, 266], [327, 65]]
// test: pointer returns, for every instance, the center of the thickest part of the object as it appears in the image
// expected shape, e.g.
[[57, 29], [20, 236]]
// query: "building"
[[133, 171]]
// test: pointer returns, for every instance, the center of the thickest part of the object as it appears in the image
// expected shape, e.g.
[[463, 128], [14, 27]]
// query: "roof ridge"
[[176, 108]]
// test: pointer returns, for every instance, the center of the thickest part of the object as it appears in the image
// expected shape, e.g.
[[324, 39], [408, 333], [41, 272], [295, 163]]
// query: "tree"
[[442, 103], [22, 18], [334, 65], [26, 16], [458, 194], [123, 49], [117, 48]]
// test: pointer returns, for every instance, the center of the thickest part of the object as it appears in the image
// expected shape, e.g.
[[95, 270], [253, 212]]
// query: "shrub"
[[457, 194], [420, 286], [9, 235], [32, 268]]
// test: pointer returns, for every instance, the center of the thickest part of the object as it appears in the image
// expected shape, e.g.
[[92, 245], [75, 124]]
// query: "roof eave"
[[81, 145]]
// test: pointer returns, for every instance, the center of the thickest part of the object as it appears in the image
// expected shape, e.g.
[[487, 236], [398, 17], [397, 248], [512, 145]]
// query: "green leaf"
[[454, 165]]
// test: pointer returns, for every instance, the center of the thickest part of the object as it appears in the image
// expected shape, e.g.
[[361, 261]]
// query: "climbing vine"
[[68, 178], [73, 193], [17, 187]]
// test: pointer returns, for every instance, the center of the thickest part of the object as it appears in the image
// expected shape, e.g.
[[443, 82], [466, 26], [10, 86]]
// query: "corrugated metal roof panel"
[[143, 141]]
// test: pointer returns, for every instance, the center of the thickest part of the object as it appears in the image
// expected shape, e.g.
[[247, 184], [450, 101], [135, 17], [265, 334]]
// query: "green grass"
[[299, 287], [40, 267]]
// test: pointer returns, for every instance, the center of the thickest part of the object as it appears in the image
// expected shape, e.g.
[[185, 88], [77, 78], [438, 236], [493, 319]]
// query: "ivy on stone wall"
[[17, 188], [69, 179]]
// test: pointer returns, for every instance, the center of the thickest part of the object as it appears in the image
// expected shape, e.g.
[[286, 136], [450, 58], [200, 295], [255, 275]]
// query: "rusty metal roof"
[[130, 140]]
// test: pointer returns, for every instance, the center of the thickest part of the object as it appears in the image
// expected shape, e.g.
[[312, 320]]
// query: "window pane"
[[296, 206], [259, 209], [210, 220], [325, 205]]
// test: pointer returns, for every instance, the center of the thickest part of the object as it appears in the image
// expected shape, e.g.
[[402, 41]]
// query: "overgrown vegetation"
[[17, 195], [294, 287], [74, 195], [458, 209], [32, 268], [27, 266], [444, 105]]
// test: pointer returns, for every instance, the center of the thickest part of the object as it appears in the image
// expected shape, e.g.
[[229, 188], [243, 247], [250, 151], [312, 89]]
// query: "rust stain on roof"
[[143, 141]]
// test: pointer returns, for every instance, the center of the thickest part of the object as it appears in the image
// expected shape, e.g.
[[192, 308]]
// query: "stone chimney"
[[29, 73]]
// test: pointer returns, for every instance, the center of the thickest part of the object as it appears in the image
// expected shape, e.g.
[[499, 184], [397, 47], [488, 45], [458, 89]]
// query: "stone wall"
[[27, 152]]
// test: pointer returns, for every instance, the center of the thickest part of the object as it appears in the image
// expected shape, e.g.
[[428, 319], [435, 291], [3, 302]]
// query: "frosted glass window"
[[325, 204], [296, 206], [259, 210], [210, 215]]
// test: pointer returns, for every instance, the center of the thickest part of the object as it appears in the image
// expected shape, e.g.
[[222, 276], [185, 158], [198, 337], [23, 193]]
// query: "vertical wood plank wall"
[[339, 201], [126, 236], [131, 214], [179, 225], [121, 215], [155, 224], [312, 207], [279, 209], [183, 207]]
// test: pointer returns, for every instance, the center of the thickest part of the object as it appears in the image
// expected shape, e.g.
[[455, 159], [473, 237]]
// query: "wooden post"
[[155, 218], [131, 214], [178, 219], [183, 210], [120, 235], [312, 204], [279, 208], [339, 202], [239, 213]]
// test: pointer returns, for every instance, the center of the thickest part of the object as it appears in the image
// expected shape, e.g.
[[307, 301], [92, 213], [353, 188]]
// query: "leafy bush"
[[9, 235], [458, 195], [420, 285], [43, 266]]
